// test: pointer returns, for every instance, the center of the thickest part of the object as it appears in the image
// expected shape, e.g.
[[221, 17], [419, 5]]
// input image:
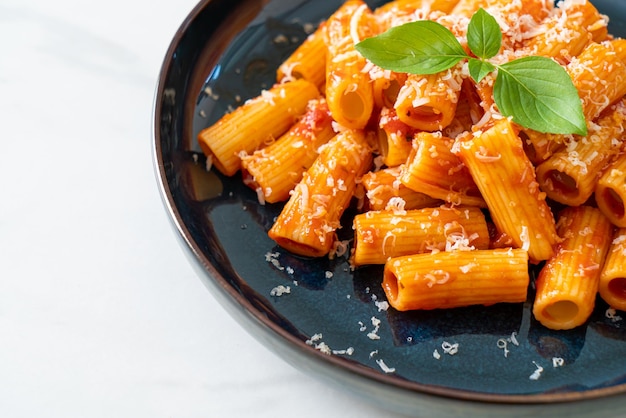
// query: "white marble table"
[[100, 313]]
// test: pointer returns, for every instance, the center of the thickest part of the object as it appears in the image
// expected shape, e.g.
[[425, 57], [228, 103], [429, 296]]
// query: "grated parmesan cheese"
[[396, 205], [348, 351], [384, 367], [272, 258], [467, 267], [316, 342], [373, 335], [436, 277], [382, 305], [502, 344], [537, 373], [611, 314], [268, 97], [449, 348], [525, 238], [280, 290]]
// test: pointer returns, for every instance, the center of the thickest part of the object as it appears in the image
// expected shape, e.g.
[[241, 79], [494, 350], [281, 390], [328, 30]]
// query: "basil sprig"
[[536, 92]]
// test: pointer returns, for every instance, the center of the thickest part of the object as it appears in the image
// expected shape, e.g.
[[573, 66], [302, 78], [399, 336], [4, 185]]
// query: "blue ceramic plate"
[[478, 361]]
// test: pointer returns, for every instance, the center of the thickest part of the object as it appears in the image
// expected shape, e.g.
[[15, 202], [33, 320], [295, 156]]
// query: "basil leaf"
[[539, 94], [421, 47], [484, 37], [478, 69]]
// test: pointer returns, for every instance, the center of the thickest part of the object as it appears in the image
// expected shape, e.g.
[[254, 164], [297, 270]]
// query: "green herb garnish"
[[536, 92]]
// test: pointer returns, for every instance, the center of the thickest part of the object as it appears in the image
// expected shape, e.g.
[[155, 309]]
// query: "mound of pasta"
[[457, 201]]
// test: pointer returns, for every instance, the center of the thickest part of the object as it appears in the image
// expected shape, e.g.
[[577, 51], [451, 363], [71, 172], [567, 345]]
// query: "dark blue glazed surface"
[[223, 228]]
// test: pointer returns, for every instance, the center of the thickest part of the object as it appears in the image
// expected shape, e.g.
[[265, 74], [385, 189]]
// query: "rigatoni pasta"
[[274, 170], [610, 193], [455, 279], [507, 181], [428, 102], [386, 87], [568, 283], [599, 74], [307, 61], [570, 175], [385, 191], [563, 39], [256, 123], [540, 146], [307, 223], [454, 200], [612, 286], [395, 137], [348, 88], [380, 235], [433, 169], [397, 12]]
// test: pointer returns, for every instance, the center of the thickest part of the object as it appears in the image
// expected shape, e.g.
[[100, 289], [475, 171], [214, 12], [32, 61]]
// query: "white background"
[[100, 313]]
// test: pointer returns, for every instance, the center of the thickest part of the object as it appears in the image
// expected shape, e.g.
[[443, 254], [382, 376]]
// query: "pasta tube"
[[506, 179], [466, 8], [395, 138], [254, 124], [397, 12], [568, 283], [386, 86], [540, 146], [456, 279], [428, 102], [274, 171], [570, 175], [380, 235], [589, 18], [567, 31], [610, 192], [308, 61], [433, 169], [612, 287], [307, 224], [384, 191], [468, 111], [599, 75], [515, 17], [484, 90], [348, 88]]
